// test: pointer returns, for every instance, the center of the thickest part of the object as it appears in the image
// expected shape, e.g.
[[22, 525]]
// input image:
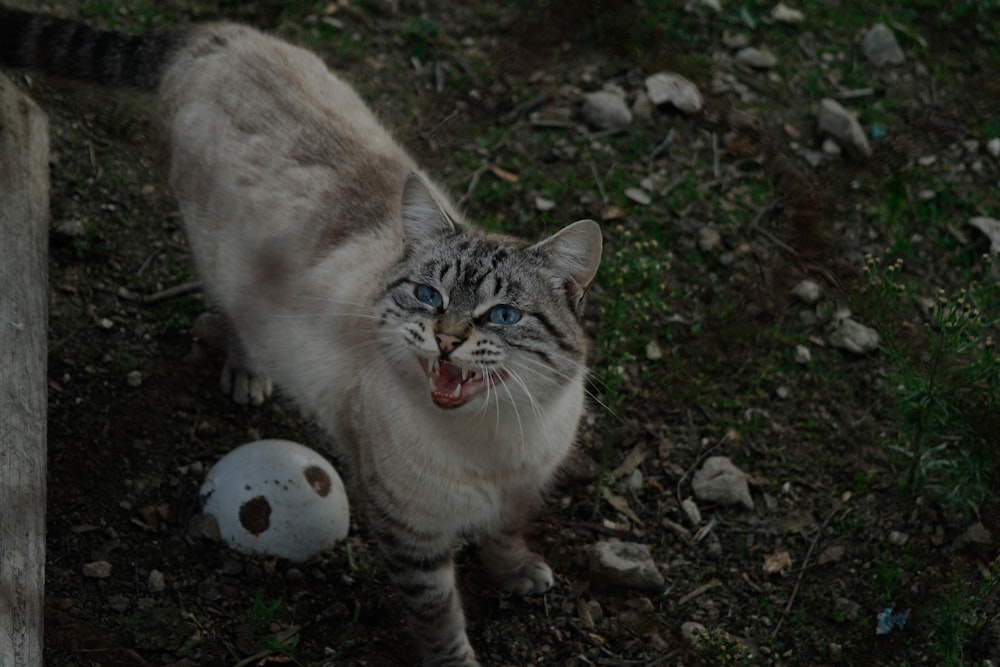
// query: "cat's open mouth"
[[453, 386]]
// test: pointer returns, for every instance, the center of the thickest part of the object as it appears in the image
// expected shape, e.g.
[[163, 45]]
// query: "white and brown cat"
[[446, 364]]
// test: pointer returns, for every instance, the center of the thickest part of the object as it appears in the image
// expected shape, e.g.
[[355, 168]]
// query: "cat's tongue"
[[452, 386]]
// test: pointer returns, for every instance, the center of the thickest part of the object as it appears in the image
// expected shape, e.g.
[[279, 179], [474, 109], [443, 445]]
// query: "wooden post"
[[24, 235]]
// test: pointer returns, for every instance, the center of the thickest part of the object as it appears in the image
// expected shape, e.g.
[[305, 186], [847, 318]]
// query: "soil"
[[136, 416]]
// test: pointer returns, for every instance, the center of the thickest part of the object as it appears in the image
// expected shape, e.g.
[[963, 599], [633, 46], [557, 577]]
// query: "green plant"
[[717, 649], [959, 617], [945, 381], [260, 616]]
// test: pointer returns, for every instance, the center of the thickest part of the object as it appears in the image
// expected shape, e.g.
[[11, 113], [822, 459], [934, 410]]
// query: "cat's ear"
[[574, 252], [422, 215]]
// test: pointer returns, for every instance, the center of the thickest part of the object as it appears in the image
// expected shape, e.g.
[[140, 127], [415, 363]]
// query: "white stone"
[[881, 48], [543, 204], [606, 110], [134, 378], [898, 538], [719, 481], [831, 147], [638, 195], [155, 581], [853, 336], [691, 512], [785, 14], [807, 291], [100, 569], [802, 354], [668, 87], [993, 147], [653, 351], [758, 58], [839, 123], [625, 564]]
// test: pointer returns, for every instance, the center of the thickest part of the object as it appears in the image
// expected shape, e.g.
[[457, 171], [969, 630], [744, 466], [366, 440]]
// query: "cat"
[[446, 364]]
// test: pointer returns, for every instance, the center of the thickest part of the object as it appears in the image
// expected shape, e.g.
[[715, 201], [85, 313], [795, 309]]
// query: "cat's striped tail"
[[76, 50]]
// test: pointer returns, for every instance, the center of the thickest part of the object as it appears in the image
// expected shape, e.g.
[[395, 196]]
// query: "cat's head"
[[483, 318]]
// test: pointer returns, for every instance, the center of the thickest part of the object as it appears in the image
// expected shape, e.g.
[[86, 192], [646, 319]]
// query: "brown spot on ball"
[[255, 515], [318, 480]]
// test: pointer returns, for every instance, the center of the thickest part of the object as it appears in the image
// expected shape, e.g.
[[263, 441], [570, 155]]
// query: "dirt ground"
[[488, 97]]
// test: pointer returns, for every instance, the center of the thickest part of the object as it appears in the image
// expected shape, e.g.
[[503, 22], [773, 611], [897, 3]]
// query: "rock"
[[845, 610], [668, 87], [72, 228], [119, 603], [881, 48], [155, 581], [204, 526], [606, 110], [898, 538], [543, 204], [719, 481], [840, 124], [802, 354], [977, 533], [709, 238], [807, 291], [100, 569], [737, 41], [831, 147], [626, 564], [831, 554], [990, 227], [785, 14], [757, 58], [693, 633], [653, 351], [993, 147], [642, 108], [638, 195], [134, 378], [853, 336], [691, 512]]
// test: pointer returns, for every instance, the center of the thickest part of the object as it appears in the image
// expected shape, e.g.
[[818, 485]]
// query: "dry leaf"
[[777, 563], [632, 461], [503, 174], [620, 504]]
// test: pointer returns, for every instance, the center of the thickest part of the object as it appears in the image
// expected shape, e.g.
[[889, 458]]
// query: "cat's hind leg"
[[513, 566], [239, 379]]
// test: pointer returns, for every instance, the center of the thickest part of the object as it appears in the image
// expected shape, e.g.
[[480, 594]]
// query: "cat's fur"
[[317, 237]]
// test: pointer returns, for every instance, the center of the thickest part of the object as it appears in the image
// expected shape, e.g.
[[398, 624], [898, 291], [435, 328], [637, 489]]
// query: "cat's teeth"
[[436, 368], [467, 373], [430, 381], [458, 391]]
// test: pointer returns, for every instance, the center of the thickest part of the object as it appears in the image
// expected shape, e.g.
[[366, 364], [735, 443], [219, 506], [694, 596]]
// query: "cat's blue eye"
[[429, 295], [504, 314]]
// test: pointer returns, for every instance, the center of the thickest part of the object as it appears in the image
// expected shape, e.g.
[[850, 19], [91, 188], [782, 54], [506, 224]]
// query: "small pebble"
[[638, 195], [898, 538], [134, 378], [100, 569], [693, 633], [156, 582], [543, 204], [993, 147]]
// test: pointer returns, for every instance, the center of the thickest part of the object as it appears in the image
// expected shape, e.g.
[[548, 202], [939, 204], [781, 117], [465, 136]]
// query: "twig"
[[597, 179], [704, 588], [171, 292], [473, 182], [715, 155], [701, 457], [837, 506], [524, 108]]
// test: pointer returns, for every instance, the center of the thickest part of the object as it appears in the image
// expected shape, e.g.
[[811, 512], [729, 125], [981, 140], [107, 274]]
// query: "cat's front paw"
[[532, 576], [244, 385]]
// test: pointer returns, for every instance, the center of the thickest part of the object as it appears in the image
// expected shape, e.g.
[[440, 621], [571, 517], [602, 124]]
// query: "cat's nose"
[[447, 343]]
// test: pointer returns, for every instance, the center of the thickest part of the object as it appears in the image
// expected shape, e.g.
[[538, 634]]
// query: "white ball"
[[276, 498]]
